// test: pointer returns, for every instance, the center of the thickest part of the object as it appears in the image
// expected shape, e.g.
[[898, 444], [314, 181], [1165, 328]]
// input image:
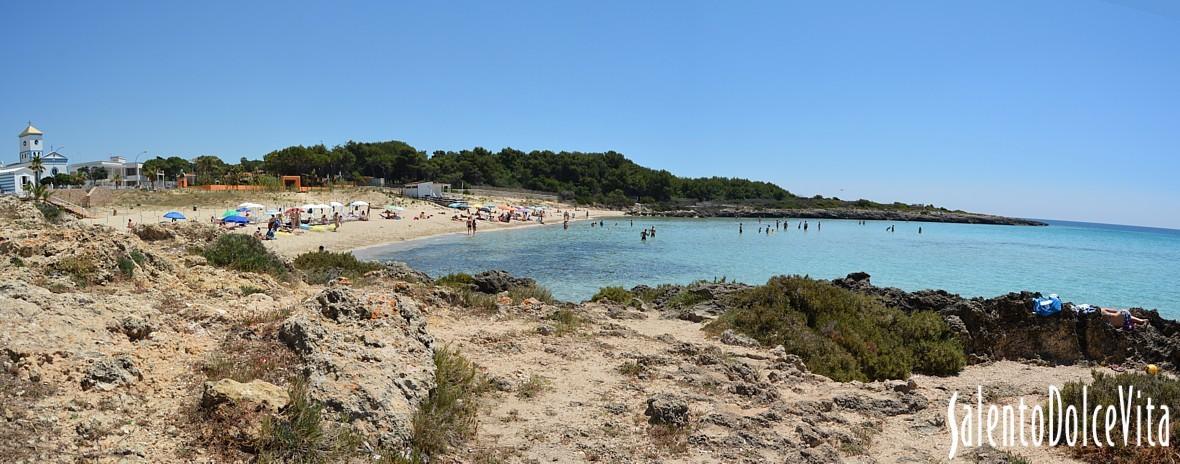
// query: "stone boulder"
[[256, 394], [109, 373], [368, 358], [667, 409], [340, 302], [152, 232], [496, 281], [730, 337]]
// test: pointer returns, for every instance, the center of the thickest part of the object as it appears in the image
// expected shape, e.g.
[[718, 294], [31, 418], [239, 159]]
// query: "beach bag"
[[1047, 306]]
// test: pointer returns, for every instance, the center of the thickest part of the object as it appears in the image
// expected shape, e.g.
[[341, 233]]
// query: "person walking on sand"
[[128, 223], [336, 219]]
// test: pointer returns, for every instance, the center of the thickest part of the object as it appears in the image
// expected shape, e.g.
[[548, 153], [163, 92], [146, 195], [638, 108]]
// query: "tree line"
[[603, 178]]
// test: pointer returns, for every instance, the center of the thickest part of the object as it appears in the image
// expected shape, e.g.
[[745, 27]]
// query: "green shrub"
[[126, 267], [297, 435], [1104, 390], [686, 298], [613, 294], [449, 415], [471, 299], [566, 321], [459, 280], [842, 334], [248, 290], [138, 257], [80, 269], [245, 253], [533, 387], [51, 212], [524, 292], [321, 266], [16, 261]]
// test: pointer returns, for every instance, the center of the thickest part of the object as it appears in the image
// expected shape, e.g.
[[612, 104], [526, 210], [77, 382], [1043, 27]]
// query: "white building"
[[119, 171], [425, 189], [15, 177]]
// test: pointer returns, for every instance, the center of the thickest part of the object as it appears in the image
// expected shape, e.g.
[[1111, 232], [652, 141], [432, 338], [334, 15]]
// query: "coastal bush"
[[613, 294], [319, 267], [459, 280], [248, 290], [533, 387], [80, 269], [471, 299], [686, 299], [520, 293], [1104, 390], [842, 334], [566, 321], [448, 416], [297, 434], [126, 267], [242, 252], [51, 212]]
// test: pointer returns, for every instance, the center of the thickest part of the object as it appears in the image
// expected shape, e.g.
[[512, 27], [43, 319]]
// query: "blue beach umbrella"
[[237, 219], [174, 215]]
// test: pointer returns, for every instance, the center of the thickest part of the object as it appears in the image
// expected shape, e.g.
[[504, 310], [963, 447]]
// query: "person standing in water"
[[805, 226], [919, 230], [739, 228], [819, 225], [643, 235], [653, 232]]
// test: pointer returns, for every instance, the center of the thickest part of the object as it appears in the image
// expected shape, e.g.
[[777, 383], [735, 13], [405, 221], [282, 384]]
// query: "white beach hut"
[[357, 206]]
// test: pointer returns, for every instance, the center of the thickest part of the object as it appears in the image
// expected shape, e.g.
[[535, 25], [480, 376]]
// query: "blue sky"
[[1048, 109]]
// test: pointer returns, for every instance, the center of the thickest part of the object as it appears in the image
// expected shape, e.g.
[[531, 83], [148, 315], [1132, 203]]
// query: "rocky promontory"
[[912, 214]]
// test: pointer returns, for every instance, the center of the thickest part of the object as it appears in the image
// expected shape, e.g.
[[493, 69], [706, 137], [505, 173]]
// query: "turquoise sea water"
[[1085, 263]]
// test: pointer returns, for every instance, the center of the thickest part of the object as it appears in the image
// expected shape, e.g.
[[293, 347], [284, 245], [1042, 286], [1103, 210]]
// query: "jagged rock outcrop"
[[368, 358], [667, 409], [496, 281], [1005, 327]]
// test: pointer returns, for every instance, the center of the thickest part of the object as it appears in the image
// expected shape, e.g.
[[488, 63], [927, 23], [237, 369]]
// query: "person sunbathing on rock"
[[1121, 318]]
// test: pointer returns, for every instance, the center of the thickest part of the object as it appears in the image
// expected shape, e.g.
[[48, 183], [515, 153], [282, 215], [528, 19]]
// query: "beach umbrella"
[[248, 205], [393, 208], [272, 212], [359, 203], [458, 205], [236, 219], [485, 208], [336, 204], [228, 213], [174, 215]]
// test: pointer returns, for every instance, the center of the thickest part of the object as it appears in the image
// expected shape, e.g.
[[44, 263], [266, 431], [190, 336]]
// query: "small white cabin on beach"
[[425, 189]]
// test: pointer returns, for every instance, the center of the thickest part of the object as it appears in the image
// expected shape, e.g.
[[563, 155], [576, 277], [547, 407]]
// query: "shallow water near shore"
[[1110, 265]]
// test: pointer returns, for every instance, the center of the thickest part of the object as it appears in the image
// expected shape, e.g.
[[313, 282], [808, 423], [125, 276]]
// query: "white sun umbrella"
[[249, 205], [359, 203]]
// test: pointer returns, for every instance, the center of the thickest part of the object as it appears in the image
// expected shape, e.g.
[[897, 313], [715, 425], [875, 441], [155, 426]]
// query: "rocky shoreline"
[[926, 215], [132, 347]]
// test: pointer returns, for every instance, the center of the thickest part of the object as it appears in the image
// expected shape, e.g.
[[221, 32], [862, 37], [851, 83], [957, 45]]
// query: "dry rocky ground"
[[131, 348]]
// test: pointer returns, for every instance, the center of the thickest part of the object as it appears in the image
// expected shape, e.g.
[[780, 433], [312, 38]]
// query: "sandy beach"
[[352, 234], [360, 234]]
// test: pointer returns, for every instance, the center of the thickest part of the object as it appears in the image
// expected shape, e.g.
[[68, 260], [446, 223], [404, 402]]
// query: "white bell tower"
[[30, 143]]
